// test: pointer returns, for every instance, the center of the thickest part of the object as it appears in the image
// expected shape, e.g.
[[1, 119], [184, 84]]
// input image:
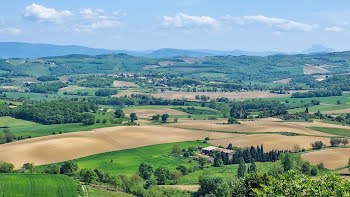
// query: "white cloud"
[[40, 13], [10, 30], [181, 20], [334, 29], [94, 19], [277, 23]]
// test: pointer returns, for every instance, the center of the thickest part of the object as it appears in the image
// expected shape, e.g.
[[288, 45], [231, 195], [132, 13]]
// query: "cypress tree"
[[241, 168]]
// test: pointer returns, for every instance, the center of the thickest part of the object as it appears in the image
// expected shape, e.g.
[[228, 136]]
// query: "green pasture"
[[224, 171], [334, 131], [7, 121], [128, 161], [37, 185]]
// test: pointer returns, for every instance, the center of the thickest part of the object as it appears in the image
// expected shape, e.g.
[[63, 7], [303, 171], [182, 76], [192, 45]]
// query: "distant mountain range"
[[31, 50]]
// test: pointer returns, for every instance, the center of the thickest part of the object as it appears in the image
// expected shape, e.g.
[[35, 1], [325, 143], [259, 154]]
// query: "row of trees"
[[46, 88], [53, 112], [318, 93], [241, 110], [105, 92]]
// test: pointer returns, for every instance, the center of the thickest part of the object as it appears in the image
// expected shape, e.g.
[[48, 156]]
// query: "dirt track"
[[57, 148], [260, 125], [332, 158], [148, 113]]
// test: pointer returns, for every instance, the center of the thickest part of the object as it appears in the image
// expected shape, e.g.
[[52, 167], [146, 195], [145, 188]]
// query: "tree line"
[[53, 112]]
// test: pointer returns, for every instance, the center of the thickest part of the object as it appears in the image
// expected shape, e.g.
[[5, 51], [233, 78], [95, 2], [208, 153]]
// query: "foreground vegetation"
[[37, 185]]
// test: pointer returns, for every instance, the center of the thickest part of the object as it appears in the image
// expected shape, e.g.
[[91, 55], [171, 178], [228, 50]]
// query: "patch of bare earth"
[[120, 84], [148, 113], [166, 63], [259, 125], [71, 88], [126, 93], [287, 80], [312, 69], [150, 67], [270, 141], [331, 158], [57, 148], [338, 111], [191, 188]]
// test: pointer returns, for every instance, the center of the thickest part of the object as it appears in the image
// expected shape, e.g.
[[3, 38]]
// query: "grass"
[[93, 192], [334, 131], [8, 101], [44, 130], [127, 161], [224, 171], [27, 128], [7, 121], [37, 185]]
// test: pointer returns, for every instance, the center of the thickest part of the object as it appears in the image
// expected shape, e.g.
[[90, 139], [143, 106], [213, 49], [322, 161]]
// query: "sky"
[[253, 25]]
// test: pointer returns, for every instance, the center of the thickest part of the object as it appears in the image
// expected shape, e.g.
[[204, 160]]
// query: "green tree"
[[145, 170], [156, 118], [165, 117], [88, 175], [133, 117], [335, 141], [69, 168], [162, 174], [8, 135], [28, 166], [344, 141], [252, 167], [52, 169], [6, 167], [232, 120], [119, 113], [176, 149], [201, 162], [287, 161], [241, 168]]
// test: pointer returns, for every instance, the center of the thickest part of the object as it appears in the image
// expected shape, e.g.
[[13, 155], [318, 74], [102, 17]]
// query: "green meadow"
[[37, 185], [127, 161], [334, 131], [224, 171]]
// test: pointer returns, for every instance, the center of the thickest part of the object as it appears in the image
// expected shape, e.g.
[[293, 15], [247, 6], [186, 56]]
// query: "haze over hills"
[[34, 50]]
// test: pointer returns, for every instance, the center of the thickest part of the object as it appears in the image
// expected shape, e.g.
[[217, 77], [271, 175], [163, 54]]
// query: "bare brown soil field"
[[339, 111], [192, 60], [71, 88], [150, 67], [332, 158], [57, 148], [166, 63], [270, 141], [120, 84], [127, 93], [192, 188], [259, 125], [311, 69], [321, 77], [148, 113], [319, 124], [287, 80], [10, 87]]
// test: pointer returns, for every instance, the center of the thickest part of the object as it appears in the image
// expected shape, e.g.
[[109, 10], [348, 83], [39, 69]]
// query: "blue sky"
[[255, 25]]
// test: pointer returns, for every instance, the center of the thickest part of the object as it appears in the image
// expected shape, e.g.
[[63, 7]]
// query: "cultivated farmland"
[[332, 158], [37, 185], [57, 148]]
